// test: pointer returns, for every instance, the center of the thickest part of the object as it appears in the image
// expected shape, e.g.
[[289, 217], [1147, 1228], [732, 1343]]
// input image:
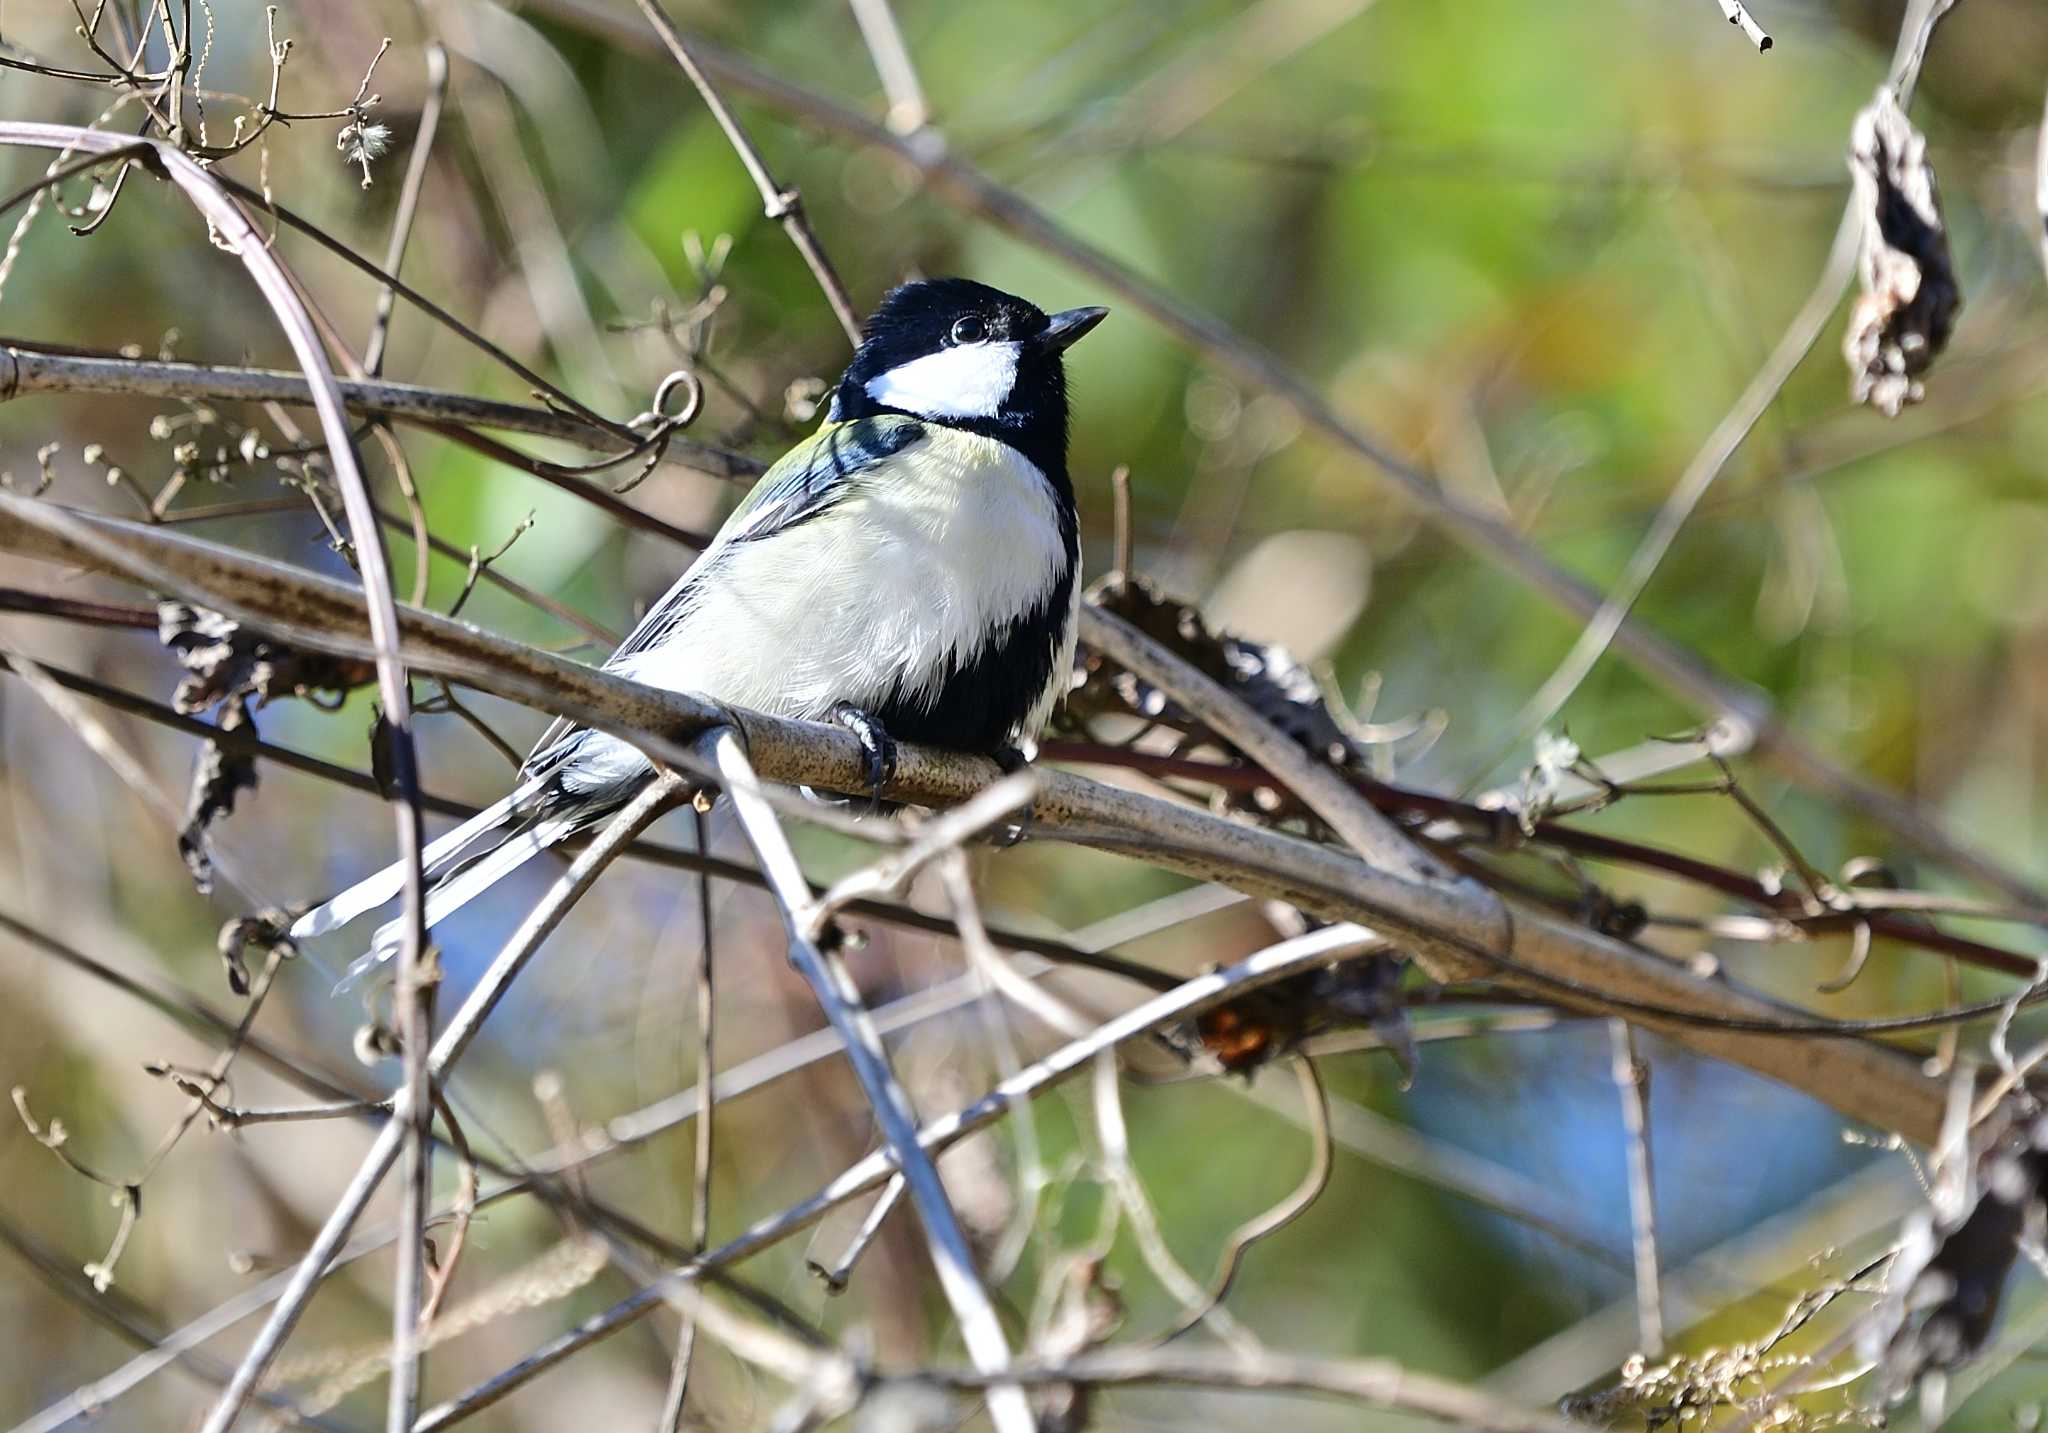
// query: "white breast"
[[881, 595]]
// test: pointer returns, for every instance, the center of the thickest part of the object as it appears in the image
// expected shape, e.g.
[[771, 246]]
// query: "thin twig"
[[1728, 435], [1316, 1108], [841, 1002], [226, 218], [908, 111], [700, 1180], [408, 202], [1632, 1079], [1738, 14], [834, 1276], [782, 205], [112, 1311], [28, 368], [1485, 1184], [994, 977], [2041, 185], [1692, 485], [451, 1046], [1378, 1383]]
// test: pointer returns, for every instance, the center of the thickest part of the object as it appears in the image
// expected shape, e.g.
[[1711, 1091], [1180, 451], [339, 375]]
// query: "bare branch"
[[449, 1048], [1379, 1384], [1632, 1079], [1541, 953], [908, 111], [841, 1002], [1739, 15], [700, 1183], [783, 205], [25, 368]]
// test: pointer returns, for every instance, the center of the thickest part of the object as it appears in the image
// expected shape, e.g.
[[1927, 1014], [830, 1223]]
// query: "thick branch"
[[1531, 951]]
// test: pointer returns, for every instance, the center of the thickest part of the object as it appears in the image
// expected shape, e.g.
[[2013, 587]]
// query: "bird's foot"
[[877, 749], [1010, 833]]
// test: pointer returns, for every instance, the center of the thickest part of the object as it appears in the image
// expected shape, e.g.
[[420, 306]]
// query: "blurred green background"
[[1538, 248]]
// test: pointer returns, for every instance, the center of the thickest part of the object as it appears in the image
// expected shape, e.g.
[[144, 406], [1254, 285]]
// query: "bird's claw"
[[877, 748], [1011, 761]]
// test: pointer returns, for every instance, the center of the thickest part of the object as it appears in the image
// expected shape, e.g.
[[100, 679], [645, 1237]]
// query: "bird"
[[910, 571]]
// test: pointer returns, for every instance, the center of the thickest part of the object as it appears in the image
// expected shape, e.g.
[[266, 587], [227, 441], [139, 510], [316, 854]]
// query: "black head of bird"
[[962, 354]]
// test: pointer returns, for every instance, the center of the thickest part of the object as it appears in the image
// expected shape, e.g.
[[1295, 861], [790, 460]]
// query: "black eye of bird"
[[969, 330]]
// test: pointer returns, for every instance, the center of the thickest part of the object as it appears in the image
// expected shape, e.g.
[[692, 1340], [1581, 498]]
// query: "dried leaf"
[[1274, 1020], [217, 778], [263, 932], [226, 661], [1942, 1296], [1907, 309], [1262, 675], [233, 669]]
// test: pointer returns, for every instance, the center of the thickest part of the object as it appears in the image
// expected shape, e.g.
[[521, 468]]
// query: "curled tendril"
[[656, 424]]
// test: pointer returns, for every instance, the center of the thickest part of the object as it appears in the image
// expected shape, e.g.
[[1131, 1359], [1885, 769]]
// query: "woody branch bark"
[[1523, 948]]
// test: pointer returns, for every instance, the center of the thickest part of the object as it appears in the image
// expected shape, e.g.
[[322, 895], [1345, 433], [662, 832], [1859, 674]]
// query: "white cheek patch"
[[970, 381]]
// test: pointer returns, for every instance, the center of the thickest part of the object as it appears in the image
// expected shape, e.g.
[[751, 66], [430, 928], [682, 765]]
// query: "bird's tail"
[[460, 866]]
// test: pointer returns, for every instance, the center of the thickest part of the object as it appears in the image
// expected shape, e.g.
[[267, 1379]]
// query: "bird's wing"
[[805, 482]]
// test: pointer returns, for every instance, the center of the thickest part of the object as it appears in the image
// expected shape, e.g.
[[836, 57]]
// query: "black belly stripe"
[[978, 705]]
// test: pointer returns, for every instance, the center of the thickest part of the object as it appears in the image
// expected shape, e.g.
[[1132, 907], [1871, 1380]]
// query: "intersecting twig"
[[993, 977], [448, 1049], [1197, 1305], [840, 999], [1190, 998], [931, 840], [226, 218], [1316, 783], [132, 1325]]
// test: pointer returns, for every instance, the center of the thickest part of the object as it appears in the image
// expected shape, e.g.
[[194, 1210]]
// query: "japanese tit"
[[911, 570]]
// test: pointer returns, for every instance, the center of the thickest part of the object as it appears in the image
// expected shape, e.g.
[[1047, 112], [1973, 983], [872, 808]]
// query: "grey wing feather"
[[807, 481]]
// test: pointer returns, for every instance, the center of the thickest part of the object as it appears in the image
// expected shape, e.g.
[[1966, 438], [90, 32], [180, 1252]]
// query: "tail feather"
[[375, 890], [465, 885]]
